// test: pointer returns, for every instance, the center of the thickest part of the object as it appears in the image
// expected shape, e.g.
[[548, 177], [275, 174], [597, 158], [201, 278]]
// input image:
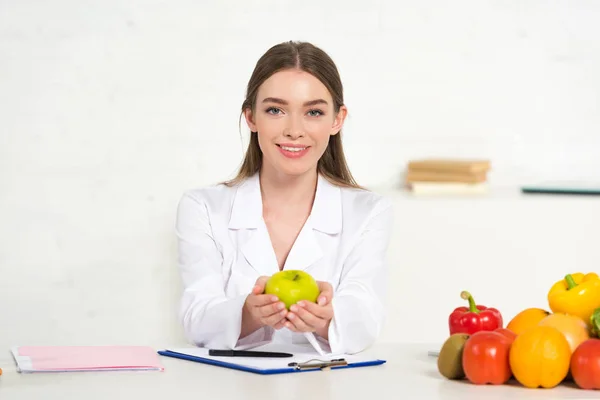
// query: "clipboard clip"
[[320, 364]]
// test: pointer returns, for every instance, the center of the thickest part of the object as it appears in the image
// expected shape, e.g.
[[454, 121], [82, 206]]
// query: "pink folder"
[[85, 358]]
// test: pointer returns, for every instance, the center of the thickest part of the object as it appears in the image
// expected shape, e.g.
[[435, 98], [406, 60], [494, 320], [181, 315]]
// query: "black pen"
[[247, 353]]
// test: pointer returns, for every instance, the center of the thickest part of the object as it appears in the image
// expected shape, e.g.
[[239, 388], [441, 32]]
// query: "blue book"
[[300, 359]]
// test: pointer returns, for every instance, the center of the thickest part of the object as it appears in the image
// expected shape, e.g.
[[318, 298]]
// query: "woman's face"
[[294, 117]]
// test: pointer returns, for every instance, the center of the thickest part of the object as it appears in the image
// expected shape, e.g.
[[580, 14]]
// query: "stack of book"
[[447, 176]]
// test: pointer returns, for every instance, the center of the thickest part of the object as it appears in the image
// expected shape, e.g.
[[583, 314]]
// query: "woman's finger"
[[326, 293], [261, 300], [260, 284], [291, 326], [280, 324], [274, 319], [307, 317], [298, 323], [325, 312], [271, 309]]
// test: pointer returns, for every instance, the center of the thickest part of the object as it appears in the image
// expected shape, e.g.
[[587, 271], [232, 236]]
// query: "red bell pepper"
[[474, 318]]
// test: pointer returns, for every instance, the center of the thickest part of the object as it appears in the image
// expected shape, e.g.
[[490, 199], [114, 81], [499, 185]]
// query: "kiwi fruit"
[[449, 361]]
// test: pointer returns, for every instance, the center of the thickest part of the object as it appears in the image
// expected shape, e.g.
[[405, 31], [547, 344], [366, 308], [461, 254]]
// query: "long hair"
[[309, 58]]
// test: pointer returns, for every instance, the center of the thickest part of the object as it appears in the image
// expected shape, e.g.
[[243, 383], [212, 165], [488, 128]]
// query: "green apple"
[[292, 286]]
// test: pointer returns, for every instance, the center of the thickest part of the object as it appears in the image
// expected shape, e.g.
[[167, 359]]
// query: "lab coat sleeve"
[[358, 302], [209, 318]]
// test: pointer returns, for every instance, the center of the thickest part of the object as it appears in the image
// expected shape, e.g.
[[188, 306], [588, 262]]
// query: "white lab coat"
[[224, 246]]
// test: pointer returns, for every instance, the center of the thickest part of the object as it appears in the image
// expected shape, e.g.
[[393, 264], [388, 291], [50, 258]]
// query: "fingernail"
[[322, 301], [274, 298], [301, 303], [280, 306], [291, 316], [283, 313], [294, 308]]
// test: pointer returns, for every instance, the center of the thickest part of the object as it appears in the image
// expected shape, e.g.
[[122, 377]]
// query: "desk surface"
[[408, 374]]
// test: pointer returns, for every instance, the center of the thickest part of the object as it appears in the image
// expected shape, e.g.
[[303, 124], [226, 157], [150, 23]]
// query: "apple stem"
[[467, 296], [296, 277]]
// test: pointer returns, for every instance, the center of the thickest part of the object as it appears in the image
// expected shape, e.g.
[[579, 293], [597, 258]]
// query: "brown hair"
[[309, 58]]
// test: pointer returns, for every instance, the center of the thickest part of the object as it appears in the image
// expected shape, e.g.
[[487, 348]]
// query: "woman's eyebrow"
[[285, 103]]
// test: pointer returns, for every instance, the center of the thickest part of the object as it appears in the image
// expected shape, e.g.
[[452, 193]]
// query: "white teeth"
[[294, 149]]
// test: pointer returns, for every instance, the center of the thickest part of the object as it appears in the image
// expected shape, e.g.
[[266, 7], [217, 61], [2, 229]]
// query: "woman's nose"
[[294, 128]]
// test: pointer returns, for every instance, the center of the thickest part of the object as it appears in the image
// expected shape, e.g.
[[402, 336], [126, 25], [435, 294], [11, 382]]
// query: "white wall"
[[507, 250], [110, 109]]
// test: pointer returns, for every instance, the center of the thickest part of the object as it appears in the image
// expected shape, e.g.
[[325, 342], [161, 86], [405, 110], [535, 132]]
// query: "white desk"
[[408, 374]]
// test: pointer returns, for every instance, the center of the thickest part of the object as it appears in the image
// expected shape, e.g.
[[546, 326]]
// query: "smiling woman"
[[295, 100], [294, 117], [293, 205]]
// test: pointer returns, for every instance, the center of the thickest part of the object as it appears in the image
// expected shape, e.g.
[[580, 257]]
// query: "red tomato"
[[486, 358], [510, 335], [585, 364]]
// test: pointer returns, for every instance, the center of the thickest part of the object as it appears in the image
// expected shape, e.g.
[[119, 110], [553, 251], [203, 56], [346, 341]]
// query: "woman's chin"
[[296, 170]]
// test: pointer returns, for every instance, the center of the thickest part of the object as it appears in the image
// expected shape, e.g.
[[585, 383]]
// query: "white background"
[[109, 110]]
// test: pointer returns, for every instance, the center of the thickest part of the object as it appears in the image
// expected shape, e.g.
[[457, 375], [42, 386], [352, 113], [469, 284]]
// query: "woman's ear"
[[338, 122], [250, 119]]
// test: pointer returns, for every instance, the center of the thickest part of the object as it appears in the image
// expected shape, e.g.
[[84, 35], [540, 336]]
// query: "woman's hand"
[[306, 316], [262, 310]]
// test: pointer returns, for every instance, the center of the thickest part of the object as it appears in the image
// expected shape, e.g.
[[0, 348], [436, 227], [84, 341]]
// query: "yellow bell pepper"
[[577, 294]]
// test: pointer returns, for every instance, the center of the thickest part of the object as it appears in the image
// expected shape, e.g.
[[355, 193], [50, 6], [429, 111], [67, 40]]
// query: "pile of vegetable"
[[538, 348]]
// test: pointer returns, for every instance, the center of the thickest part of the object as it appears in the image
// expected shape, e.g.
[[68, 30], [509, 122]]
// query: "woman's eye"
[[315, 113], [273, 110]]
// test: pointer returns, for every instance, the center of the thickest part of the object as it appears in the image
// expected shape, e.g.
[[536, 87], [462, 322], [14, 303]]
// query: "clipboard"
[[303, 362]]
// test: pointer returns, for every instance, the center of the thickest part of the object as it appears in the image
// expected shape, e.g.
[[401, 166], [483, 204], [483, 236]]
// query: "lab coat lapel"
[[246, 218], [325, 220], [259, 252], [306, 250]]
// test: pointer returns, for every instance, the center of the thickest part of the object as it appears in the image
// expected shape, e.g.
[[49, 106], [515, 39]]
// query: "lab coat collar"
[[325, 218], [326, 214], [246, 211]]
